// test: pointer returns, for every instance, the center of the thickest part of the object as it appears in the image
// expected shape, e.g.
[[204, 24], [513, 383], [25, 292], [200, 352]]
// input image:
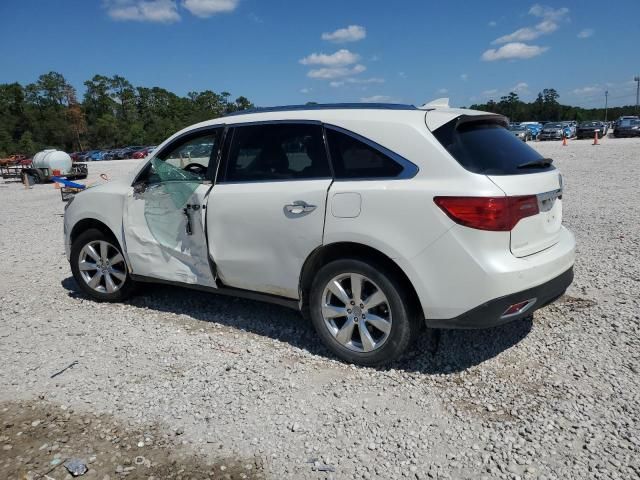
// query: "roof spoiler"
[[437, 103], [490, 118]]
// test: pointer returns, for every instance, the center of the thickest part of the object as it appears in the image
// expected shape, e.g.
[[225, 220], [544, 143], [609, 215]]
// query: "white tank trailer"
[[51, 162]]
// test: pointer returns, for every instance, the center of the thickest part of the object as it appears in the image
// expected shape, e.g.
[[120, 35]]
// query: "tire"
[[120, 285], [339, 322]]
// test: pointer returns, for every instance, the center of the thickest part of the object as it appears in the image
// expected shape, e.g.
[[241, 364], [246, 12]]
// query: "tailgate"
[[541, 231]]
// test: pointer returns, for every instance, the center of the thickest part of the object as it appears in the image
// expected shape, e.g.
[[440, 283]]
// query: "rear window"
[[488, 148]]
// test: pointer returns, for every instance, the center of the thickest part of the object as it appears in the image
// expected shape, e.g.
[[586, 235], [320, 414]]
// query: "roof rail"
[[326, 106]]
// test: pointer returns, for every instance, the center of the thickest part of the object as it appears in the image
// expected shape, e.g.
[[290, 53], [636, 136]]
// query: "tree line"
[[547, 108], [112, 113]]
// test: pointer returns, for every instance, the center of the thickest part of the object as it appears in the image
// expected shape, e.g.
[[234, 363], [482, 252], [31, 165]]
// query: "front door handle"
[[299, 207]]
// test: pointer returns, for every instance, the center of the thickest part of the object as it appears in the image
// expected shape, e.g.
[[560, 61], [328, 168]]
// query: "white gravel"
[[556, 398]]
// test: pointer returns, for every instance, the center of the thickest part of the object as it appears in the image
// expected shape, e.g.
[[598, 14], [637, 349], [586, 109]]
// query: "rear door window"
[[488, 148], [283, 151]]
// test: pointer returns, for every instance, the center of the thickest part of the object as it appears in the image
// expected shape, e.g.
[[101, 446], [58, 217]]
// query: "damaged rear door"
[[165, 212]]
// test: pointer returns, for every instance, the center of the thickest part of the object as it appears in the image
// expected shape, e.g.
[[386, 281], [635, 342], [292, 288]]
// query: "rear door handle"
[[299, 207]]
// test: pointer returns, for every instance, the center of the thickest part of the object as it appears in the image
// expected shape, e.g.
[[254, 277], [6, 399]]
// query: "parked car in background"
[[96, 155], [570, 129], [127, 152], [589, 129], [553, 131], [472, 217], [534, 127], [521, 131], [627, 127], [142, 153], [76, 156], [110, 154]]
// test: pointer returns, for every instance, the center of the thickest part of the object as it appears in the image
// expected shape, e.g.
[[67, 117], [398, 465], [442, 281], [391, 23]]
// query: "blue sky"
[[294, 51]]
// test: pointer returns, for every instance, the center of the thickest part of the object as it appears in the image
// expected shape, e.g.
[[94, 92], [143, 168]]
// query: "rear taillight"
[[497, 214]]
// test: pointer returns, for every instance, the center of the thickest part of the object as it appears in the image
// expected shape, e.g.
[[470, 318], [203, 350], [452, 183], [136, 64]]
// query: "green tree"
[[26, 145]]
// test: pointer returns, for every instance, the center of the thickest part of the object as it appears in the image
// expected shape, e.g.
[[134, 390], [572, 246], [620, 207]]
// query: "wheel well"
[[336, 251], [87, 223]]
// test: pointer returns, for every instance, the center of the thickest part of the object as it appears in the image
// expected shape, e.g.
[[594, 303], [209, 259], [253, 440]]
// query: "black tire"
[[405, 323], [86, 238]]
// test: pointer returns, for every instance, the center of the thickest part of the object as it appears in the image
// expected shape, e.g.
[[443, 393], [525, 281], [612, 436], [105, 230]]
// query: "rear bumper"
[[490, 314]]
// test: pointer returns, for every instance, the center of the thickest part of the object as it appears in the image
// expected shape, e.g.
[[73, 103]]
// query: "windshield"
[[553, 125], [517, 128], [590, 124], [488, 148]]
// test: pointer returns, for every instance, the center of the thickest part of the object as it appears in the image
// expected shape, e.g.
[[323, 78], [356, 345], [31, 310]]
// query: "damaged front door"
[[165, 212]]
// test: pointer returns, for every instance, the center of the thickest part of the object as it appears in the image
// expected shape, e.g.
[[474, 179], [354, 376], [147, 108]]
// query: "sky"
[[278, 52]]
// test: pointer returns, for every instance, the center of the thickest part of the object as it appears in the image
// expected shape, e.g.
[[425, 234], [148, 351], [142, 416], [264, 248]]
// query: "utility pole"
[[637, 79], [606, 104]]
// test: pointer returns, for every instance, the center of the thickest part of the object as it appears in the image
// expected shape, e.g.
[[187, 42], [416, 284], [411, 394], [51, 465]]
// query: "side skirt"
[[228, 291]]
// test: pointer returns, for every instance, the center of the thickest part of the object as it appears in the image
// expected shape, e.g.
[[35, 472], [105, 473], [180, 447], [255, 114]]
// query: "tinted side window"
[[487, 148], [353, 158], [277, 152]]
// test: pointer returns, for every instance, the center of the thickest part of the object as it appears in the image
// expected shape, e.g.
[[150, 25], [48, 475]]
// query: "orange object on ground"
[[595, 138], [564, 141]]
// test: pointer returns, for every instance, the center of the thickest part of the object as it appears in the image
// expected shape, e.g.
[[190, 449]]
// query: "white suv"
[[372, 219]]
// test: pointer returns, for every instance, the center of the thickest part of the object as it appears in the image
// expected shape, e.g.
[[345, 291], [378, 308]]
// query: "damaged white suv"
[[373, 219]]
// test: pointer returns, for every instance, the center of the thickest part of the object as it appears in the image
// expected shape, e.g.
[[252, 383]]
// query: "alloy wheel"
[[102, 266], [356, 312]]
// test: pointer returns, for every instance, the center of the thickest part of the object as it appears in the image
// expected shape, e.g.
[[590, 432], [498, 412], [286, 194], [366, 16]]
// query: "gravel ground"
[[231, 383]]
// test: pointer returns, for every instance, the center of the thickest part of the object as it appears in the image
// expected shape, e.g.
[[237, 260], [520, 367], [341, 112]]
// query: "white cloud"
[[544, 11], [340, 58], [306, 90], [356, 81], [442, 91], [549, 24], [489, 93], [207, 8], [586, 90], [586, 33], [520, 87], [513, 51], [492, 23], [330, 73], [159, 11], [352, 33], [378, 99], [464, 77]]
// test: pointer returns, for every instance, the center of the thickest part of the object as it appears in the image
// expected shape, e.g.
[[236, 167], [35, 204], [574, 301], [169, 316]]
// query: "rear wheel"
[[99, 267], [361, 312]]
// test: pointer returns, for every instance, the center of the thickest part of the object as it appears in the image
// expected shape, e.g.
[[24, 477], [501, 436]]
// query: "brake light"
[[496, 214]]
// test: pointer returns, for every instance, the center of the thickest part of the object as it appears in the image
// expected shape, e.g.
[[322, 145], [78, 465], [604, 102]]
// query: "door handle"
[[299, 207]]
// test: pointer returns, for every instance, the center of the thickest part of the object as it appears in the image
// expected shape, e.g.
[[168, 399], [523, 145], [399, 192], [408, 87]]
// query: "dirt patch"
[[37, 440], [576, 303]]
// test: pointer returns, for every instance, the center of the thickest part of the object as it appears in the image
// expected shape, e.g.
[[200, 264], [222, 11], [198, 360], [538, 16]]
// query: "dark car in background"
[[589, 129], [127, 152], [627, 127]]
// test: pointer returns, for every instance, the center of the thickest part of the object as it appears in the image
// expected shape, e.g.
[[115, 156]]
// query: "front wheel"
[[362, 312], [99, 267]]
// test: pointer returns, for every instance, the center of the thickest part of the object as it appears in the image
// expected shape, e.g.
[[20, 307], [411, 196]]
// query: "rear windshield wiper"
[[541, 162]]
